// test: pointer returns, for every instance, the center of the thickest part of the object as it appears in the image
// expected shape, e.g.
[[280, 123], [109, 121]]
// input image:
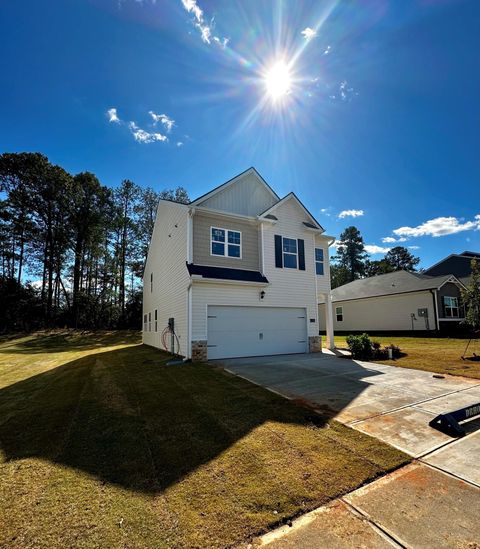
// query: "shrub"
[[363, 349], [360, 346]]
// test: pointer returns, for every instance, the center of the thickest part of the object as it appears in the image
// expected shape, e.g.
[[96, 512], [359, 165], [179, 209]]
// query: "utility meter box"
[[423, 313]]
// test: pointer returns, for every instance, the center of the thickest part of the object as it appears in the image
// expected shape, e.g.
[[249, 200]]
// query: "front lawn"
[[440, 355], [104, 445]]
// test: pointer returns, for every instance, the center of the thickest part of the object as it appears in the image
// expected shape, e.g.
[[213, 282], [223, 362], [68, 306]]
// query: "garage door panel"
[[255, 331]]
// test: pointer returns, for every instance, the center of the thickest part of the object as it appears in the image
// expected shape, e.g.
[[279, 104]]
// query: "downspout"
[[188, 354], [435, 311]]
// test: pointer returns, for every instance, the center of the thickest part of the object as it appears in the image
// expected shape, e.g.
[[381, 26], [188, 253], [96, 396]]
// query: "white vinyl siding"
[[246, 196], [287, 288], [167, 258]]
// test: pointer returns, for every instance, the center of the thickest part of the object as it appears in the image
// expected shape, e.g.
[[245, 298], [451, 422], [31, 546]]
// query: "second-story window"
[[319, 261], [290, 253], [226, 243]]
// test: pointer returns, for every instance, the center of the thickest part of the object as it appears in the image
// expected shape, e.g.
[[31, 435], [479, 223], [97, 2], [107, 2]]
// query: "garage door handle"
[[211, 316], [211, 345]]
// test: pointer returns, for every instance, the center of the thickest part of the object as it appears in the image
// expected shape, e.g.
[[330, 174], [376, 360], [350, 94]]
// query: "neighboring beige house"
[[240, 271], [400, 301]]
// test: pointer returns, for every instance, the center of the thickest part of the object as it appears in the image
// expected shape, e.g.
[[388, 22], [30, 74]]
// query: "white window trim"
[[322, 262], [457, 307], [225, 249], [337, 314], [290, 253]]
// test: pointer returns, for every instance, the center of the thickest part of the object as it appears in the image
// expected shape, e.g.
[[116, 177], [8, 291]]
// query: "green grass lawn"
[[441, 355], [104, 445]]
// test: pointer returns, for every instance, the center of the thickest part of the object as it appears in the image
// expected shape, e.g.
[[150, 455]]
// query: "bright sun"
[[278, 81]]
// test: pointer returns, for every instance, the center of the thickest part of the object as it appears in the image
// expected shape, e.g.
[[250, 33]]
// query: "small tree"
[[471, 298]]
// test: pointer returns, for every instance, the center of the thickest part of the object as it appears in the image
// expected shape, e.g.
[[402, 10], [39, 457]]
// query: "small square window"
[[233, 237], [218, 235]]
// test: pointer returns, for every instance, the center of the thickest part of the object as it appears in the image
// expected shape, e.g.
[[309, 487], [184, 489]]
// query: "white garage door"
[[255, 331]]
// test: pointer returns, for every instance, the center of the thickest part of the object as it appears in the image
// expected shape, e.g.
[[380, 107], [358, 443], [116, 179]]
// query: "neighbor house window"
[[156, 323], [144, 322], [290, 253], [151, 282], [319, 261], [149, 322], [451, 307], [339, 314], [226, 243]]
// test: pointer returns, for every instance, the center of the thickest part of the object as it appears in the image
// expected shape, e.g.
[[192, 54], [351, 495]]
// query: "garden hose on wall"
[[170, 341]]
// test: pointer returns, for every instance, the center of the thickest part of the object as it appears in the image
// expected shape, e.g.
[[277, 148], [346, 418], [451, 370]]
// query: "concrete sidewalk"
[[434, 501]]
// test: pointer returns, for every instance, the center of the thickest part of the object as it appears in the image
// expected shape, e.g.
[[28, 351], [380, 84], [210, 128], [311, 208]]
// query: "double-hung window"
[[451, 307], [290, 253], [149, 322], [339, 314], [145, 322], [319, 261], [156, 320], [226, 243]]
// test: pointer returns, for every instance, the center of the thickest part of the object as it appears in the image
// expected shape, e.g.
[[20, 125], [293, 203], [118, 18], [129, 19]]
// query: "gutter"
[[434, 297]]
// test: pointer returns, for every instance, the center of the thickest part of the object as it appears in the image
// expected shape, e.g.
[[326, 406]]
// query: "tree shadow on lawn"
[[126, 418], [63, 341]]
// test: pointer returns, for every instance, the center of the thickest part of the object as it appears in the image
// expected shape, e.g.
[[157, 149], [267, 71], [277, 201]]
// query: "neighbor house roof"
[[399, 282], [224, 273], [456, 264]]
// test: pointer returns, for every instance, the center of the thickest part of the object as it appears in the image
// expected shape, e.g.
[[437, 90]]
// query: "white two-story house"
[[240, 271]]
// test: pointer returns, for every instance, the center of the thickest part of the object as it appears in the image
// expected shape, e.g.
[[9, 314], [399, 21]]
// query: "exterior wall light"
[[262, 294]]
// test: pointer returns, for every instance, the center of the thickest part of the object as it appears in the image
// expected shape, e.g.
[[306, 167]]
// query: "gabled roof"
[[456, 264], [223, 186], [267, 213], [399, 282]]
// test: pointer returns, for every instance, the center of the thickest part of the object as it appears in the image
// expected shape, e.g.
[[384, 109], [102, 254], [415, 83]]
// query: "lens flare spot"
[[278, 81]]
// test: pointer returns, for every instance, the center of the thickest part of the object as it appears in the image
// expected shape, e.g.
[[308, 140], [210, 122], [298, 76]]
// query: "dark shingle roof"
[[388, 284], [459, 265], [224, 273]]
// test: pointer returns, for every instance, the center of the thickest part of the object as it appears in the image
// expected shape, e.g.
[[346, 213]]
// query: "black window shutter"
[[301, 254], [278, 251]]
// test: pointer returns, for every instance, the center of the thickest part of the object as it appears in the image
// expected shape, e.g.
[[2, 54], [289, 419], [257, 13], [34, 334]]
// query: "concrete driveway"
[[433, 502]]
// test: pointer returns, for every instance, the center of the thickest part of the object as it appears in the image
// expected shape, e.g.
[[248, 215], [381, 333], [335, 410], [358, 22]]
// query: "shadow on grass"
[[126, 418], [60, 341]]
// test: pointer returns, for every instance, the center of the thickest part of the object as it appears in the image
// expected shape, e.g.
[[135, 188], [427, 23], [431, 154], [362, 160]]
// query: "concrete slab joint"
[[315, 344], [199, 350]]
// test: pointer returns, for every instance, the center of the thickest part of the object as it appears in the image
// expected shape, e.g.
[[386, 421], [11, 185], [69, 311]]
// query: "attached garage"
[[255, 331]]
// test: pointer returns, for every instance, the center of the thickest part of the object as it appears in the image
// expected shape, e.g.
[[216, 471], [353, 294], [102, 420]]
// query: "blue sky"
[[378, 115]]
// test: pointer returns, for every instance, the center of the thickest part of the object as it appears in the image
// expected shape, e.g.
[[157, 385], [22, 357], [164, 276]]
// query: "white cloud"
[[325, 211], [350, 213], [167, 122], [143, 136], [179, 144], [205, 28], [309, 33], [374, 249], [113, 116], [390, 239], [440, 226], [414, 247], [327, 50]]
